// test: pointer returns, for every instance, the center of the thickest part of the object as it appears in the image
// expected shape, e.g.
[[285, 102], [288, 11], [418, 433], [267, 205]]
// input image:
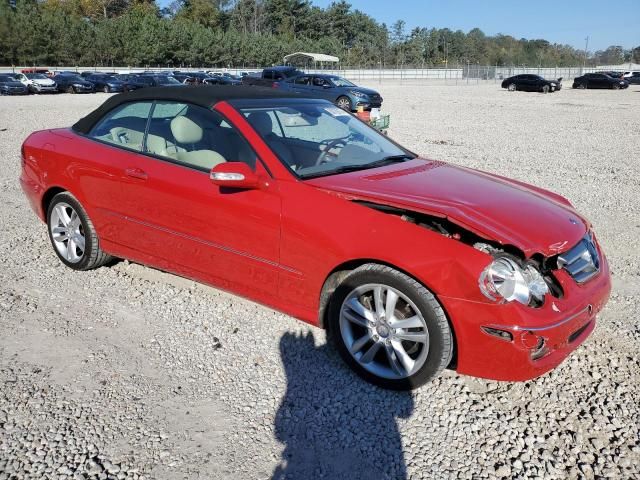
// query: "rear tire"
[[72, 234], [416, 361]]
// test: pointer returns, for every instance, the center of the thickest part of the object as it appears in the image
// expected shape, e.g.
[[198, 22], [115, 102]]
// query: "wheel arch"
[[339, 272], [47, 197]]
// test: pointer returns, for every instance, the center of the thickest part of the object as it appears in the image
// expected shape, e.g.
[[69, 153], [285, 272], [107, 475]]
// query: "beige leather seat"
[[186, 131], [158, 145], [127, 137]]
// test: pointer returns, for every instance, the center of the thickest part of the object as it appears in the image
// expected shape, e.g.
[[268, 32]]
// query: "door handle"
[[136, 173]]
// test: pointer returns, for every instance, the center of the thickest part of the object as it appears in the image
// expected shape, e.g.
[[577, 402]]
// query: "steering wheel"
[[330, 145]]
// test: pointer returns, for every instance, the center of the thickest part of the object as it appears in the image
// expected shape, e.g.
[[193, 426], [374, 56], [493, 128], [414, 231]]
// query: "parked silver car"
[[37, 82]]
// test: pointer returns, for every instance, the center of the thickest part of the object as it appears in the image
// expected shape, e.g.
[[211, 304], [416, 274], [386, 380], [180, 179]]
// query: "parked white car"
[[37, 82]]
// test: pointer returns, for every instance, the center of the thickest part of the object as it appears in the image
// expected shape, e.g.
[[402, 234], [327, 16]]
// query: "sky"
[[605, 22]]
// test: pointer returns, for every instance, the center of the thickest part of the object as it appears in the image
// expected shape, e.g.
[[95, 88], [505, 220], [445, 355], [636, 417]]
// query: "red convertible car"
[[412, 265]]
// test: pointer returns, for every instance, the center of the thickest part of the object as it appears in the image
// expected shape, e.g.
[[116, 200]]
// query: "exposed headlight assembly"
[[358, 94], [503, 280]]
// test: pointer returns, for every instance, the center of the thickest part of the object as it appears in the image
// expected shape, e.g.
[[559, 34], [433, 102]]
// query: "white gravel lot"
[[126, 372]]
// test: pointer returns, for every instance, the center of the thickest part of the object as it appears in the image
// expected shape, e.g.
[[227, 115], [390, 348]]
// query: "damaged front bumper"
[[513, 342]]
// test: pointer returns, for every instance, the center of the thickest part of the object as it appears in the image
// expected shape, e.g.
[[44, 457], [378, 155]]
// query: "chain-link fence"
[[460, 74]]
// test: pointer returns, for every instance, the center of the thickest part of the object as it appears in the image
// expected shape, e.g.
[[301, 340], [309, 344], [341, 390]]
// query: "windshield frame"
[[246, 104]]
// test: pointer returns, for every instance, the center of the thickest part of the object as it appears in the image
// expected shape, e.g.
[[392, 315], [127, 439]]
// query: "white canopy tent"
[[305, 59]]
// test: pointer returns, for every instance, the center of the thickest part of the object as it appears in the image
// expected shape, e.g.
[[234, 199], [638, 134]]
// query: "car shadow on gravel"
[[333, 424]]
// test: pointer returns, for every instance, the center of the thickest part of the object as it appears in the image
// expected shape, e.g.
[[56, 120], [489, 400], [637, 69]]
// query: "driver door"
[[178, 220]]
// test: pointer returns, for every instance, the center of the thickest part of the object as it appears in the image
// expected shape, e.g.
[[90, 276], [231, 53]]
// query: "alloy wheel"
[[67, 232], [384, 331], [344, 103]]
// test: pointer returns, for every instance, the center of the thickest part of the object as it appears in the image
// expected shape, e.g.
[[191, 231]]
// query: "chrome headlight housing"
[[504, 280], [358, 94]]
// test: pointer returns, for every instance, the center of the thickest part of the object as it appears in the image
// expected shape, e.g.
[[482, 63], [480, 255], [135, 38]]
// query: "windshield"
[[36, 76], [7, 78], [316, 140], [341, 82], [73, 78], [162, 80]]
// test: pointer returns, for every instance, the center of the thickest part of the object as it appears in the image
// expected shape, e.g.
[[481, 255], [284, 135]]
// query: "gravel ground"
[[127, 372]]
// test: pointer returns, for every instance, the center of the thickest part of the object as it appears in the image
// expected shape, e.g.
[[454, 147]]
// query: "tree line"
[[235, 33]]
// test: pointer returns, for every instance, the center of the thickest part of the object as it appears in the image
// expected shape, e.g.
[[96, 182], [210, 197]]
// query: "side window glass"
[[124, 126], [318, 82], [195, 136], [302, 81]]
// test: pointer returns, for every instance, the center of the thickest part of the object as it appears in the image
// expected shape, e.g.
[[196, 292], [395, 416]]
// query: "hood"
[[42, 81], [368, 91], [493, 207], [14, 83]]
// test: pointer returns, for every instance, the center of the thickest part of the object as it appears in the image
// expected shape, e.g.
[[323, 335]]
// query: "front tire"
[[512, 87], [70, 89], [72, 234], [344, 103], [106, 89], [389, 328], [545, 89]]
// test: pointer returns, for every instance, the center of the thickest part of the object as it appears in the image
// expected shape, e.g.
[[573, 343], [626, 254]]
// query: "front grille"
[[582, 262]]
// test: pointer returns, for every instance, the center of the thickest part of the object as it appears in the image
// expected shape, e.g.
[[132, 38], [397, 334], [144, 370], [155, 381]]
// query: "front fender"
[[321, 232]]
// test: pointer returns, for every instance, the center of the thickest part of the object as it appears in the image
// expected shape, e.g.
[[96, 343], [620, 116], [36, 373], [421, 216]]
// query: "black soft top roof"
[[205, 96]]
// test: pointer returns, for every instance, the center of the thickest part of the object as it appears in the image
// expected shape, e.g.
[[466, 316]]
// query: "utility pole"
[[586, 48]]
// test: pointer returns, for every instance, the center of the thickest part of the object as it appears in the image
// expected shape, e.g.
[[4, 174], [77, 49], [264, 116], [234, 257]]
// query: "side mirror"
[[234, 175]]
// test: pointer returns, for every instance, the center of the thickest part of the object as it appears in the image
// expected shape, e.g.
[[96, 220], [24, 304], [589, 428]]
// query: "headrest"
[[261, 121], [185, 130]]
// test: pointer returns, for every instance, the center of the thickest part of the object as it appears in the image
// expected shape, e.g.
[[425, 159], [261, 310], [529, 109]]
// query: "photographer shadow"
[[333, 424]]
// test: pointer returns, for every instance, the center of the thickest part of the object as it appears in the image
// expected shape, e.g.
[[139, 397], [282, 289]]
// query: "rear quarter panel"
[[61, 159]]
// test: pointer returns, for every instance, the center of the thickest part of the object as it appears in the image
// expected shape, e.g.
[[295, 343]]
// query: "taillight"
[[23, 155], [275, 85]]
